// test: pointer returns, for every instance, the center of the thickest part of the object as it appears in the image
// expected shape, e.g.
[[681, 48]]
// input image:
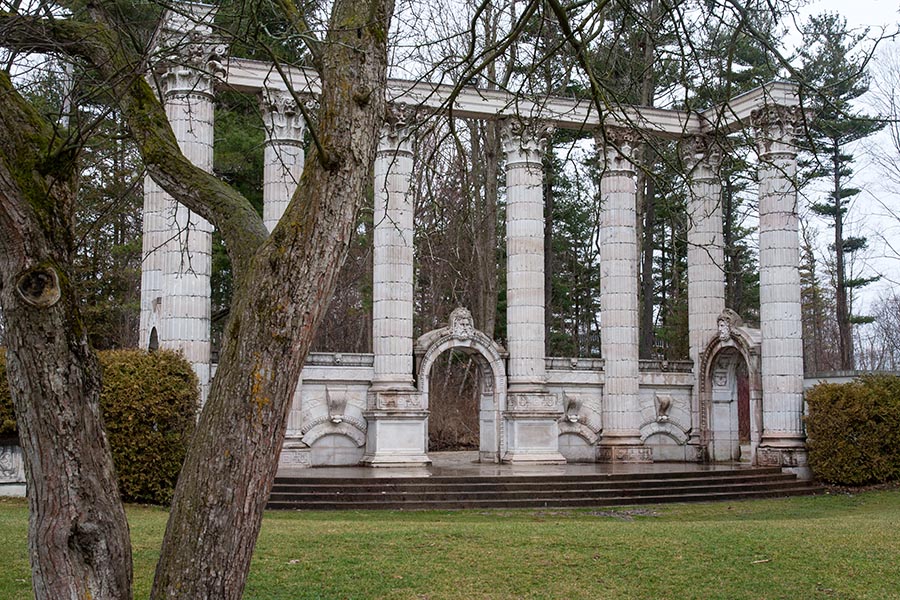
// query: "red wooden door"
[[743, 389]]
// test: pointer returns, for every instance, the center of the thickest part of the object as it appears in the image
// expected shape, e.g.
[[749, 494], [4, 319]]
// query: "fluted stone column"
[[397, 421], [532, 430], [178, 243], [705, 254], [783, 439], [284, 156], [621, 440], [392, 281], [283, 165]]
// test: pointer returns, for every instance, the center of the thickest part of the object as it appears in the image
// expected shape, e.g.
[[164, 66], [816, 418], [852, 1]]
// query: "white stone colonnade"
[[175, 283]]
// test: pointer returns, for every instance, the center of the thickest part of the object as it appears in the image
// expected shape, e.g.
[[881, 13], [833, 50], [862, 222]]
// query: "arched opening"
[[460, 347], [729, 406], [455, 394], [153, 346]]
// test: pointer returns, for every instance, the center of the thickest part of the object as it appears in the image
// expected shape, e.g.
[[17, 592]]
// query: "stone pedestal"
[[783, 438], [397, 434], [532, 430], [621, 440]]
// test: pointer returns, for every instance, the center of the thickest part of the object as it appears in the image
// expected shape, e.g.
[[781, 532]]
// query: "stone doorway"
[[460, 337], [455, 391], [731, 431]]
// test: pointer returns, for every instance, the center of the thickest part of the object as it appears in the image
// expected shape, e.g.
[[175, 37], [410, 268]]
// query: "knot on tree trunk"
[[39, 286]]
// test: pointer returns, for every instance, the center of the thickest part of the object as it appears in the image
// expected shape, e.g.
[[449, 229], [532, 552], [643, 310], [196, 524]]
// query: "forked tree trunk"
[[278, 303], [281, 290], [78, 535]]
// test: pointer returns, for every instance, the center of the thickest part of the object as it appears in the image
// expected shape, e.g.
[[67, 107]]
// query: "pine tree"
[[834, 73]]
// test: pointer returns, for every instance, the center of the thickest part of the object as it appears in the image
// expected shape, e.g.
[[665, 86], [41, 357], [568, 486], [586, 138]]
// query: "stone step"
[[632, 476], [429, 485], [551, 502], [523, 491], [586, 492]]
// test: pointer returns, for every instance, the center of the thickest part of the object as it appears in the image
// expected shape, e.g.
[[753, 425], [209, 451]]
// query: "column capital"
[[702, 157], [524, 140], [396, 132], [776, 128], [282, 118], [191, 55], [616, 147]]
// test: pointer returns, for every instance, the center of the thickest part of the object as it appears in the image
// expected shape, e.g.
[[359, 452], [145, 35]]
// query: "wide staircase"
[[532, 491]]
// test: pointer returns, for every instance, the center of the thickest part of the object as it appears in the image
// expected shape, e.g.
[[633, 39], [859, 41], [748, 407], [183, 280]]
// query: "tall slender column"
[[783, 440], [397, 432], [532, 432], [705, 254], [621, 440], [178, 243], [392, 281], [525, 256], [284, 156]]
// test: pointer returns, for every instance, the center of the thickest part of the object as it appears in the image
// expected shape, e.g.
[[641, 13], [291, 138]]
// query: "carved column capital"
[[283, 120], [524, 140], [617, 147], [396, 132], [191, 56], [701, 151], [776, 129]]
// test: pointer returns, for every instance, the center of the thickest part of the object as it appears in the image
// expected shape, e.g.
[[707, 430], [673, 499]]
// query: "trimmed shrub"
[[854, 430], [149, 404]]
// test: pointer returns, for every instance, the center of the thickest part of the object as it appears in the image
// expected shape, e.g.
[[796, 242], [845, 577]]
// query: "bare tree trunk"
[[646, 190], [845, 341], [549, 258], [282, 286], [486, 232], [78, 535]]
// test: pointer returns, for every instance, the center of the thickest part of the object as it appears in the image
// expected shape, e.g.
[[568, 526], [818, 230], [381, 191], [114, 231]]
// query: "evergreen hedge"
[[853, 430], [149, 404]]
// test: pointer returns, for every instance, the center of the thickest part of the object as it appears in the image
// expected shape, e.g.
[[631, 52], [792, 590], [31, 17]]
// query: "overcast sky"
[[868, 215]]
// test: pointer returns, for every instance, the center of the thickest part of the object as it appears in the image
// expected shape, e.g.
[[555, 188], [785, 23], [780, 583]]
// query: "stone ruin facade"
[[740, 397]]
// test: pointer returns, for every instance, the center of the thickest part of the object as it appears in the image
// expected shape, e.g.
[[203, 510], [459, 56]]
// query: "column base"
[[792, 459], [624, 454], [396, 438], [294, 455], [532, 429]]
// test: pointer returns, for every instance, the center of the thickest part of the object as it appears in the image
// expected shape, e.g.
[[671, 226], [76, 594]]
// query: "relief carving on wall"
[[663, 404], [727, 322], [533, 401], [572, 407], [720, 378], [462, 327], [10, 471]]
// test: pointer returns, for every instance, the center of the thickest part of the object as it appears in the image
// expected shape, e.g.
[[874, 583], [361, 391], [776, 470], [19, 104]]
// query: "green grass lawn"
[[818, 547]]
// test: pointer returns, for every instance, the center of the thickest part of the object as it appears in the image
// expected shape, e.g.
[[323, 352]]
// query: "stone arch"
[[153, 344], [734, 348], [489, 356]]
